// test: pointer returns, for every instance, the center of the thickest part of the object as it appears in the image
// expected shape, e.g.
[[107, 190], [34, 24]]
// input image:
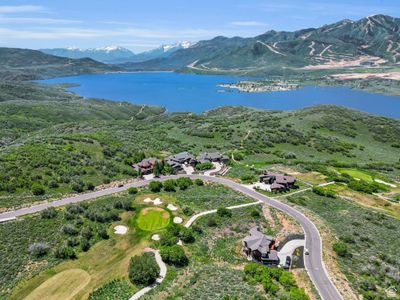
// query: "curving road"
[[313, 262]]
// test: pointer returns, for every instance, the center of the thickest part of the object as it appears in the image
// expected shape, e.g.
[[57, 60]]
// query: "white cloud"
[[56, 33], [8, 9], [248, 23], [43, 21]]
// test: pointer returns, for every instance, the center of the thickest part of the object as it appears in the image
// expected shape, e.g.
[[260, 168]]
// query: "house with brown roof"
[[146, 166], [260, 247]]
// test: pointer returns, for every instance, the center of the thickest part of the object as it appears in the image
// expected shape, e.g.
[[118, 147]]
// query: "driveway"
[[289, 248], [313, 262]]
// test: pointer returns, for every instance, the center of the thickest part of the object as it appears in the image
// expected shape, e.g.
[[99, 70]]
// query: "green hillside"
[[91, 142], [25, 64], [371, 40]]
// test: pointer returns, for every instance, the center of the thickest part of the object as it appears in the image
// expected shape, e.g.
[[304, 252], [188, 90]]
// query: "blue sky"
[[142, 25]]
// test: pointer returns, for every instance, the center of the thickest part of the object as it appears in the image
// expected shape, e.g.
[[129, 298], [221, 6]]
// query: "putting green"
[[153, 218]]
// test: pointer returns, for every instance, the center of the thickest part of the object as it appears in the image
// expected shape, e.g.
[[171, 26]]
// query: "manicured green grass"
[[153, 218], [356, 173]]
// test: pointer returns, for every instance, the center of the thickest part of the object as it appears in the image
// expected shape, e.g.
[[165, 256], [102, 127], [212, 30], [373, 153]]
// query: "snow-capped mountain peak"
[[179, 45], [111, 48]]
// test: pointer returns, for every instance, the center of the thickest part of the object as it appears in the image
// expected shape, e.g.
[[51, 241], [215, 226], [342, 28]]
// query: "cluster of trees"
[[274, 280], [323, 192], [366, 187], [84, 227], [174, 255], [177, 232], [170, 185], [143, 269]]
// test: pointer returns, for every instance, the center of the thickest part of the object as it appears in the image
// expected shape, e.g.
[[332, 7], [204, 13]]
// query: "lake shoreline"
[[181, 92]]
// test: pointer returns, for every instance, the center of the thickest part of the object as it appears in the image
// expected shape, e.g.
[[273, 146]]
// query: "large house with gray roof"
[[260, 247], [278, 182], [212, 157], [178, 160]]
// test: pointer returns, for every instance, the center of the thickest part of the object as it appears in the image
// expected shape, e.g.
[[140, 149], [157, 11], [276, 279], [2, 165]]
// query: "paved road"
[[313, 262]]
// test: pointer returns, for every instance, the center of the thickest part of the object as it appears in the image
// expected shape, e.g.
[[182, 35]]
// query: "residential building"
[[212, 157], [260, 247], [178, 160], [146, 166], [277, 181]]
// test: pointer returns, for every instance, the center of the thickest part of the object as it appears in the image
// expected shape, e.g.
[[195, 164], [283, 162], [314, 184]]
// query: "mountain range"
[[371, 41], [117, 54], [25, 64]]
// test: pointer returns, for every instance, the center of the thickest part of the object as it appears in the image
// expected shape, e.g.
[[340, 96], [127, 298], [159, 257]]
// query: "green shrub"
[[72, 241], [132, 191], [366, 187], [143, 269], [224, 212], [169, 185], [90, 186], [204, 166], [87, 232], [37, 190], [85, 244], [187, 211], [123, 204], [323, 192], [341, 249], [174, 255], [118, 289], [211, 222], [255, 213], [69, 229], [38, 249], [103, 234], [186, 235], [168, 239], [65, 252], [248, 178], [155, 186], [48, 213], [183, 183], [53, 184], [199, 182]]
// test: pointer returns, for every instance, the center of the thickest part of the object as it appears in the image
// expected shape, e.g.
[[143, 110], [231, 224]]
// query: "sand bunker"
[[155, 237], [156, 201], [172, 207], [178, 220], [120, 229]]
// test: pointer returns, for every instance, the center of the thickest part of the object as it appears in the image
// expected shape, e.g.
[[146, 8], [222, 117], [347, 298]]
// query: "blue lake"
[[198, 93]]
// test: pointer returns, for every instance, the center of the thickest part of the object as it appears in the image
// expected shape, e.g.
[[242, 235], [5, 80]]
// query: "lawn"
[[153, 218], [356, 173], [64, 285]]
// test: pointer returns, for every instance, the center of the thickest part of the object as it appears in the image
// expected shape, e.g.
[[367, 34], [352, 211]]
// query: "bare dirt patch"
[[387, 75]]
